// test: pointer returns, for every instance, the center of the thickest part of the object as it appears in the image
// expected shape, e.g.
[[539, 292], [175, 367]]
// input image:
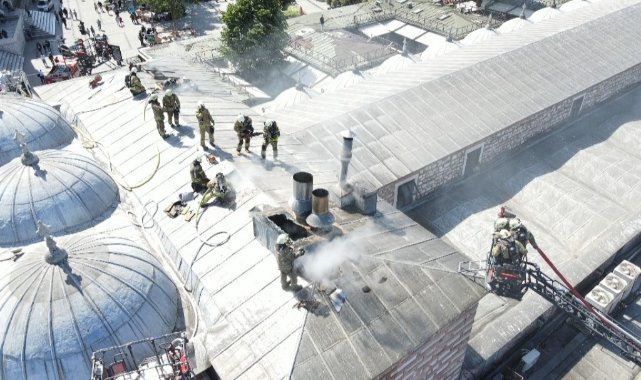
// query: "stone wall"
[[495, 146], [441, 357]]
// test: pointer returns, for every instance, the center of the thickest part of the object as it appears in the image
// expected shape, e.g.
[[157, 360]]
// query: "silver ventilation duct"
[[320, 219], [301, 200]]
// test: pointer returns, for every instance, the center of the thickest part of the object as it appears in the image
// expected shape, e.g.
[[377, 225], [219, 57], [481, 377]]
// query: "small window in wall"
[[472, 160], [576, 107], [406, 193]]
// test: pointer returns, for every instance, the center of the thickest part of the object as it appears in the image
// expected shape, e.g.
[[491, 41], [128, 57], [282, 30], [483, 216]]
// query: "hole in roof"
[[291, 228]]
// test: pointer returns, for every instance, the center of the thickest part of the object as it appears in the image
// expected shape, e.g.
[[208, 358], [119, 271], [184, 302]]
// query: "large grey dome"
[[99, 291], [65, 190], [42, 125]]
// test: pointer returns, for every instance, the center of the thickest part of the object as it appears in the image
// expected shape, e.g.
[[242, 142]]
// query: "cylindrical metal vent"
[[346, 156], [320, 219], [320, 201], [301, 200]]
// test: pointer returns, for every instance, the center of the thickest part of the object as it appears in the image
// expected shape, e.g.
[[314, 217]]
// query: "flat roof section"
[[579, 193], [255, 330], [439, 110]]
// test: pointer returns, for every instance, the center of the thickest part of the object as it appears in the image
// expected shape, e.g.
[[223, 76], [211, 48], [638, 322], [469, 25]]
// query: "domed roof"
[[42, 125], [58, 305], [346, 79], [513, 24], [479, 35], [63, 189], [290, 97], [573, 4], [397, 62], [544, 14], [439, 49]]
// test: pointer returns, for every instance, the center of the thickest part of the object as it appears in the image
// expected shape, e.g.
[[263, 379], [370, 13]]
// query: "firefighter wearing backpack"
[[245, 130], [205, 124], [506, 249], [270, 134], [133, 82]]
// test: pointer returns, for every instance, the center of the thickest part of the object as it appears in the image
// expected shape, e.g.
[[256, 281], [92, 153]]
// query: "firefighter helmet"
[[504, 234], [282, 239], [240, 118], [500, 223], [515, 223], [169, 93], [153, 97]]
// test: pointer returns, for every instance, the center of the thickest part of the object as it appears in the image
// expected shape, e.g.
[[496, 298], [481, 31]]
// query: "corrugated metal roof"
[[253, 329], [450, 112], [10, 61], [577, 191]]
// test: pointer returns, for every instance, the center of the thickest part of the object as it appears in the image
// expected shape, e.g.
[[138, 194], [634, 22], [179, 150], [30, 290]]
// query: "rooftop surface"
[[253, 329], [468, 94], [576, 190]]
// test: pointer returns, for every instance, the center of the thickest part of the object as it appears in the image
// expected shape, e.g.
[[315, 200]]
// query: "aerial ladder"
[[513, 281]]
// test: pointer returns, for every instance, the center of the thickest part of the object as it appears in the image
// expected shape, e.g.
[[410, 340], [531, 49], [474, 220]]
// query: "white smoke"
[[323, 263]]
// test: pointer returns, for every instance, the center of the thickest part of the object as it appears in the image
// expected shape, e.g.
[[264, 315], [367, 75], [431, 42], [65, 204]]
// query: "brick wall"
[[441, 357], [495, 146]]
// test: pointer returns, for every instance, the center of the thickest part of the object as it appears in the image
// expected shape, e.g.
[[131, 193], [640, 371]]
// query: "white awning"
[[410, 32], [393, 25], [517, 12], [374, 30], [429, 39], [504, 8]]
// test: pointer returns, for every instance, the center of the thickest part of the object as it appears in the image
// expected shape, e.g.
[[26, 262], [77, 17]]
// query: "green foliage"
[[176, 8], [292, 11], [341, 3], [254, 34]]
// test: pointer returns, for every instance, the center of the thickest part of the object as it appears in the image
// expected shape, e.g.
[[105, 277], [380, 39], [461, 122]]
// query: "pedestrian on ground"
[[322, 22], [120, 20], [41, 75], [64, 22], [143, 29], [133, 18], [44, 60], [99, 24], [119, 4], [51, 59], [95, 7], [39, 47], [75, 14], [100, 6], [65, 12], [60, 13], [28, 12], [47, 46], [91, 29], [141, 38]]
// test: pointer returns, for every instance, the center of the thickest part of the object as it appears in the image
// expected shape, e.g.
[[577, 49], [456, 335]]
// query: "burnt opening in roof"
[[291, 228]]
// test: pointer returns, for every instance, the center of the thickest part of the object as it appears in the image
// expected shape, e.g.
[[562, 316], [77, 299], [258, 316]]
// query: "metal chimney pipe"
[[301, 200], [320, 218], [346, 156]]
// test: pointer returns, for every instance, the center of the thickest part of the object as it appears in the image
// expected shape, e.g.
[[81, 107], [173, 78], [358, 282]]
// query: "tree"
[[175, 8], [254, 34]]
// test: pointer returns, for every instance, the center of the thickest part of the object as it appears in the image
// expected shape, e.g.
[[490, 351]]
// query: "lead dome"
[[42, 126], [63, 189], [92, 292]]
